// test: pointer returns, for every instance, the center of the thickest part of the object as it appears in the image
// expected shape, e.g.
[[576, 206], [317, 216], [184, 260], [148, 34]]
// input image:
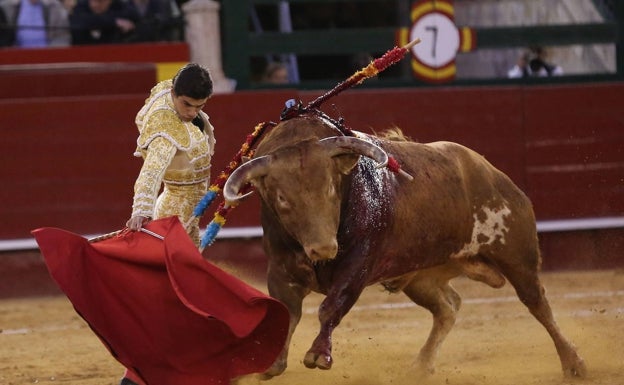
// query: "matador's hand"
[[136, 222]]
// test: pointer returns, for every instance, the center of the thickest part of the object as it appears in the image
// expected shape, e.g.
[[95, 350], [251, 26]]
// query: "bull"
[[335, 221]]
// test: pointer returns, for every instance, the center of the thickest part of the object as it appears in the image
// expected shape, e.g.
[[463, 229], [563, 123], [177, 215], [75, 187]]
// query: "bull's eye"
[[281, 201]]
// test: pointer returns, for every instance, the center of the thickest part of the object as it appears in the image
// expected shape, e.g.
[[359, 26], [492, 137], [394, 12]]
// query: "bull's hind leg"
[[532, 294], [430, 289]]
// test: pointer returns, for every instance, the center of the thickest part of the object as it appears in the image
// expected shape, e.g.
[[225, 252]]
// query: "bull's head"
[[302, 185]]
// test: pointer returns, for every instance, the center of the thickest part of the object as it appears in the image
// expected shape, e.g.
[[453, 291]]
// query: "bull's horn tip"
[[234, 201]]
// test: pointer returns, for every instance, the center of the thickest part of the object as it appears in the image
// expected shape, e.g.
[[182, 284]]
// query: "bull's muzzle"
[[318, 252]]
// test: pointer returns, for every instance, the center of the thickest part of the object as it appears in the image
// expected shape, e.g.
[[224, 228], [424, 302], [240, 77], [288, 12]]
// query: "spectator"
[[37, 23], [103, 21], [520, 69], [4, 30], [533, 63], [539, 65], [275, 73], [69, 5], [159, 20]]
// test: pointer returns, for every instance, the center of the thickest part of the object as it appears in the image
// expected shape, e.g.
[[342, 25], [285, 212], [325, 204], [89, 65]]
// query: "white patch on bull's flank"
[[492, 229]]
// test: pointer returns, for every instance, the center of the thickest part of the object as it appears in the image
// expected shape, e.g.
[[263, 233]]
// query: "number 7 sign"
[[433, 60]]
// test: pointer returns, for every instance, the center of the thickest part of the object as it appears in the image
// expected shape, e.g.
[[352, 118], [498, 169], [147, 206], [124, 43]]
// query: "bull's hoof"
[[422, 370], [424, 365], [413, 374], [275, 370], [576, 368], [321, 361], [265, 376]]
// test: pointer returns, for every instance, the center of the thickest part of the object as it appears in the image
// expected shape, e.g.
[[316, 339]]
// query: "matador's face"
[[187, 107]]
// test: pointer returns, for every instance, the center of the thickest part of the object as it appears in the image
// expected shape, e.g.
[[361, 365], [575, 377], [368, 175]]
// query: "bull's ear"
[[346, 162], [244, 159]]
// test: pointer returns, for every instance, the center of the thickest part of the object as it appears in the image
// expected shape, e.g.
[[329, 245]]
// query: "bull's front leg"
[[291, 294], [335, 306]]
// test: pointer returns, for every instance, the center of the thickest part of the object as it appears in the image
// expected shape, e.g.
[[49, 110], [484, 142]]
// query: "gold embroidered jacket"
[[174, 152]]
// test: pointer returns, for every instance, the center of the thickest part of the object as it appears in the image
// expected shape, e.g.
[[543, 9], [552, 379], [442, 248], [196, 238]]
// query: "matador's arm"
[[159, 155]]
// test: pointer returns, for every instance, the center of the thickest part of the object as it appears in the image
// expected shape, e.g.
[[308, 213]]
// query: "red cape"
[[162, 310]]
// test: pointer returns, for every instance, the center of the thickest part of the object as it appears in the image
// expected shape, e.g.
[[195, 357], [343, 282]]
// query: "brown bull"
[[335, 222]]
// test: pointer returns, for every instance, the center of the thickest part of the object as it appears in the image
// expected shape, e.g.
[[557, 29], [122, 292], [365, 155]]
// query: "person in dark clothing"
[[533, 63], [102, 21], [5, 31], [159, 20]]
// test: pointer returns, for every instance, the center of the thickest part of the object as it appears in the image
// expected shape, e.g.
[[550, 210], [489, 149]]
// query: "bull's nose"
[[321, 251]]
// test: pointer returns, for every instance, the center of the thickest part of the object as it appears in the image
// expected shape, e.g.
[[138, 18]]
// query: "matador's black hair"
[[193, 81]]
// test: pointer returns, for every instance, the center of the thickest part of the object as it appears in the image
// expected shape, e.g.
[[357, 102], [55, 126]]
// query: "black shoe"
[[125, 381]]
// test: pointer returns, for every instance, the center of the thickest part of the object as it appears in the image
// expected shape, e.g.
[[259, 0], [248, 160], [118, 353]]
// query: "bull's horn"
[[347, 144], [243, 174]]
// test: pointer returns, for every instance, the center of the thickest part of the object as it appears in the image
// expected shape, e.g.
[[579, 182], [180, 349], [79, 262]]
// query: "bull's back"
[[466, 175], [482, 181], [477, 173]]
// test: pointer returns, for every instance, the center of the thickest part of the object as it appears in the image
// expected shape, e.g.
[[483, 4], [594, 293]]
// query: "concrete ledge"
[[580, 224]]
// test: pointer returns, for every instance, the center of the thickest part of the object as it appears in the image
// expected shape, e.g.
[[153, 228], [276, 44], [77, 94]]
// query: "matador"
[[176, 153]]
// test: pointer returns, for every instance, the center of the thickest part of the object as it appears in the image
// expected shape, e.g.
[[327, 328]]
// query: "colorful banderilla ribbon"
[[218, 221]]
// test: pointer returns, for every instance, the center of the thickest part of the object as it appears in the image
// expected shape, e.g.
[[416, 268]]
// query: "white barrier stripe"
[[580, 224], [256, 231]]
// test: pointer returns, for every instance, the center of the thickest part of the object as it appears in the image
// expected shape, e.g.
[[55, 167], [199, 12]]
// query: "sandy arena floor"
[[495, 341]]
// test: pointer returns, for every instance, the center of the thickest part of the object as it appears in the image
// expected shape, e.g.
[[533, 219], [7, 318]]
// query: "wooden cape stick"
[[116, 233]]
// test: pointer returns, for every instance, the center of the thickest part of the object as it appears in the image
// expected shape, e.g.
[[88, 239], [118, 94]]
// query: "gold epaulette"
[[165, 123]]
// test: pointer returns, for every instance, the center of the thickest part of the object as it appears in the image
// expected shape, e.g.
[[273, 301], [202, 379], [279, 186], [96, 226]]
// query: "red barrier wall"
[[574, 150], [75, 79], [67, 155]]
